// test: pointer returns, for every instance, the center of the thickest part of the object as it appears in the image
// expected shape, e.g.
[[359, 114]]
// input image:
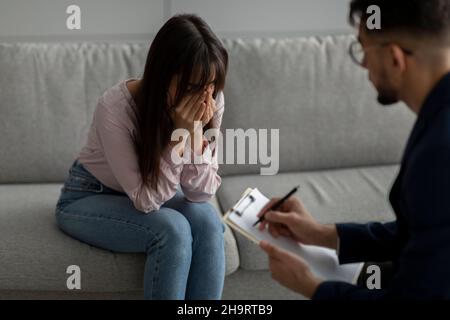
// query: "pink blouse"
[[109, 156]]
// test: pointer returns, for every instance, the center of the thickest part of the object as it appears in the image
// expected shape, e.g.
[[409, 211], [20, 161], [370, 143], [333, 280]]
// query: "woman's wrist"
[[177, 146], [197, 141]]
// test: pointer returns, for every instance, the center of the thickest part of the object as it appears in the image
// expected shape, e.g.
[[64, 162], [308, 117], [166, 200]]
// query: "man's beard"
[[387, 95]]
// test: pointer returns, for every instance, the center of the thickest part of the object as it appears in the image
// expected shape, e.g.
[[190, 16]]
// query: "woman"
[[127, 193]]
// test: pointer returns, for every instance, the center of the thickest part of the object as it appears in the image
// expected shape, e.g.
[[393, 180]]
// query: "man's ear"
[[398, 58]]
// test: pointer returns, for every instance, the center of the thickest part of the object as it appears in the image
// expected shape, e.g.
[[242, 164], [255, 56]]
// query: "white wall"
[[45, 20]]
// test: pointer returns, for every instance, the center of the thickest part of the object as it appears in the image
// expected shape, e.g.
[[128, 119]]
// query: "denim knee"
[[204, 218], [175, 231]]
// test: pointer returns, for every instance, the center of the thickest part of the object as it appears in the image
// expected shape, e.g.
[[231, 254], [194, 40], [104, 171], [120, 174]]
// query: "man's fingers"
[[285, 232], [267, 206], [262, 225], [291, 204], [273, 231], [267, 247], [271, 250], [279, 254], [280, 217]]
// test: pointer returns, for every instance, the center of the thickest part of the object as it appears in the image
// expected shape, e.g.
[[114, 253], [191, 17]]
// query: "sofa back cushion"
[[48, 95], [322, 104], [325, 108]]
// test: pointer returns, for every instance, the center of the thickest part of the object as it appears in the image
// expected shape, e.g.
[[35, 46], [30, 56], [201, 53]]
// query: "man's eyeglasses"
[[357, 51]]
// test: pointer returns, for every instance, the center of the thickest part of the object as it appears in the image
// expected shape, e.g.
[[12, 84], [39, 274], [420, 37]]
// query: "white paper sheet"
[[322, 261]]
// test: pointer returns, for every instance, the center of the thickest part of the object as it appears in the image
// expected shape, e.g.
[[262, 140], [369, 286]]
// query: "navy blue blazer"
[[418, 242]]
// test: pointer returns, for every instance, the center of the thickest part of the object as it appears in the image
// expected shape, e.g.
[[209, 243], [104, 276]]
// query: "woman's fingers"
[[202, 97], [181, 108], [206, 116], [213, 106], [192, 104], [184, 101], [200, 111], [211, 101], [197, 105], [211, 109], [187, 109], [208, 97]]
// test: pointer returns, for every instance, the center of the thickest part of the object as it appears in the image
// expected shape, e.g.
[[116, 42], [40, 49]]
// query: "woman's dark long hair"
[[184, 45]]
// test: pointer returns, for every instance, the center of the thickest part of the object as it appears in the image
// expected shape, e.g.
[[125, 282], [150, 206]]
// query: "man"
[[408, 60]]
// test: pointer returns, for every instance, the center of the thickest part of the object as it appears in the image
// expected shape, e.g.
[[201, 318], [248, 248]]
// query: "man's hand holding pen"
[[292, 220]]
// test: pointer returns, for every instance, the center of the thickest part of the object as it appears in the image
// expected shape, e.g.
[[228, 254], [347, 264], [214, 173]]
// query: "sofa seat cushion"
[[35, 253], [348, 195]]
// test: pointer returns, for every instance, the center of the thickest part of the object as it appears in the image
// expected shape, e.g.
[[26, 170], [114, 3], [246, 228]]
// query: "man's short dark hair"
[[419, 17]]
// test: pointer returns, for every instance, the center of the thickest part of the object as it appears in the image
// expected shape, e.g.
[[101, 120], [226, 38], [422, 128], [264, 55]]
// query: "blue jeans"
[[183, 240]]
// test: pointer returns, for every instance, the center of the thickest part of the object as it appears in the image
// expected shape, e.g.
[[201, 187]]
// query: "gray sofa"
[[335, 141]]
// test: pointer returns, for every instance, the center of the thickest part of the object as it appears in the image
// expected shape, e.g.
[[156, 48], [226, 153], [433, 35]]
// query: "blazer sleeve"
[[423, 269], [335, 290], [367, 242], [422, 273]]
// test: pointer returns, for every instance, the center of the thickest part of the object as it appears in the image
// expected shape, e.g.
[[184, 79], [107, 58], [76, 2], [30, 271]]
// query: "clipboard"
[[238, 210], [323, 262]]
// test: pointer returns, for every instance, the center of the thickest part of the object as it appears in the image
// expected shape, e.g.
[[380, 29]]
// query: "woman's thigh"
[[92, 213], [112, 223]]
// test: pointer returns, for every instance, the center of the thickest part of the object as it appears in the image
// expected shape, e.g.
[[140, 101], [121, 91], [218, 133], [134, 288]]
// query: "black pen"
[[277, 204]]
